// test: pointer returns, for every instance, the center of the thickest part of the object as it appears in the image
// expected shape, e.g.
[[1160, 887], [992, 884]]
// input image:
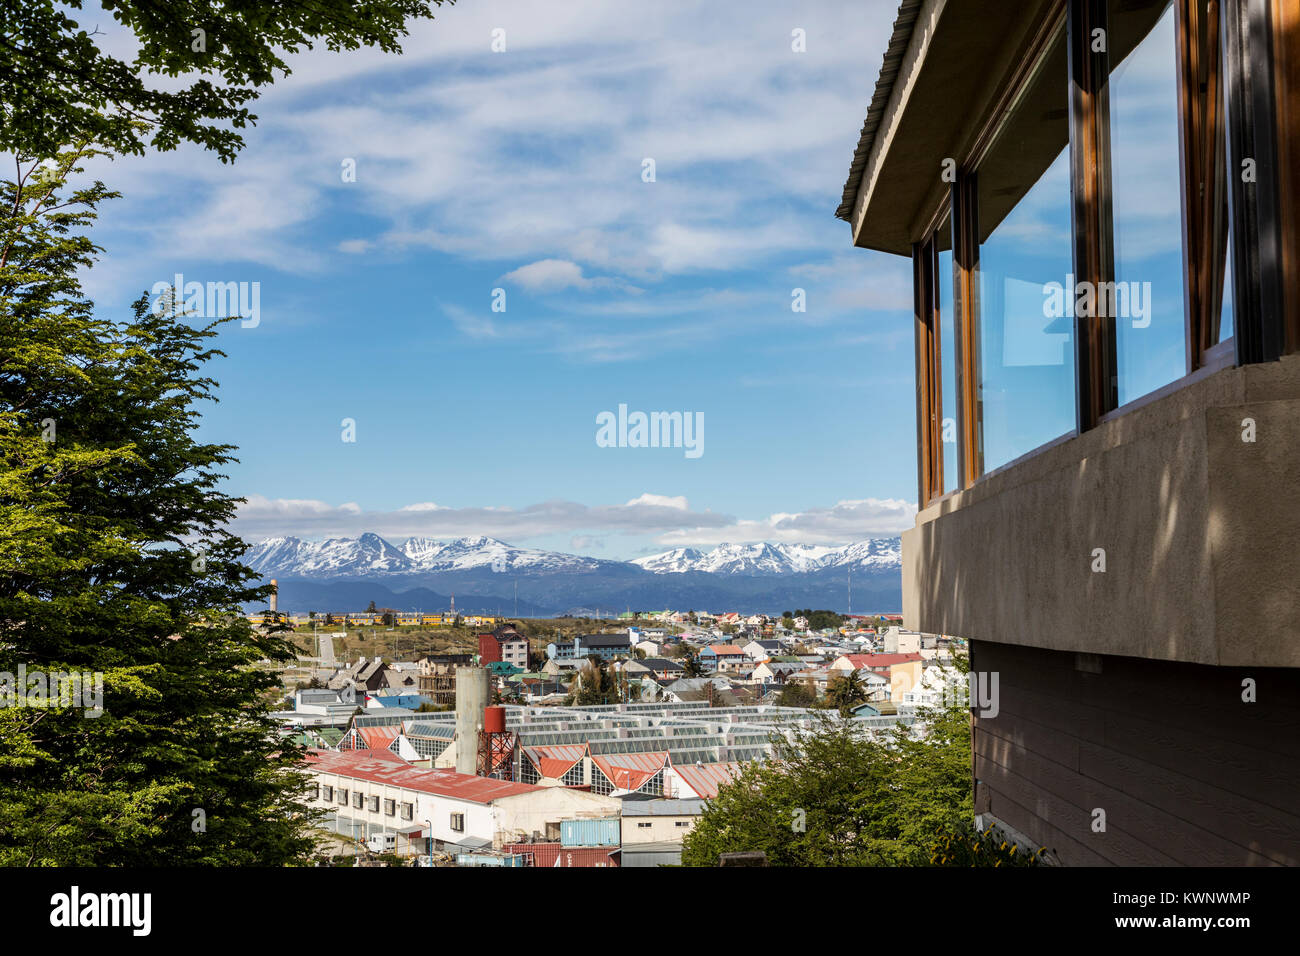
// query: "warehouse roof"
[[382, 766]]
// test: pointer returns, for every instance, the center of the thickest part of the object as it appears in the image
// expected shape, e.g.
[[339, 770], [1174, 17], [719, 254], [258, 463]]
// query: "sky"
[[468, 257], [525, 171]]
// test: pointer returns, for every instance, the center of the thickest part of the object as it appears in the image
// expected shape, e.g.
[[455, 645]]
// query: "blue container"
[[603, 832]]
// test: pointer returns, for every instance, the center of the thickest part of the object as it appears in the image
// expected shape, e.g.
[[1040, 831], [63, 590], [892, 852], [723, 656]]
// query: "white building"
[[374, 791]]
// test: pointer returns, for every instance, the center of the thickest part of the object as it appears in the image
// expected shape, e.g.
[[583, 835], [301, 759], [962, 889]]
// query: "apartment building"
[[1098, 199]]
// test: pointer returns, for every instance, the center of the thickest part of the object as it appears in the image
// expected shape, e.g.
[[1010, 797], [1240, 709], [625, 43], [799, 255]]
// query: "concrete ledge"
[[1200, 529]]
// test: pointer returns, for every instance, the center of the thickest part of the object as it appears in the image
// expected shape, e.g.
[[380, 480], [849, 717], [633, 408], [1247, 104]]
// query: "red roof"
[[555, 760], [725, 649], [379, 738], [707, 778], [630, 771], [383, 766]]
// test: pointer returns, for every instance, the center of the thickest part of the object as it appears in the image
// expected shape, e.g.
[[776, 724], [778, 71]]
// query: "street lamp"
[[430, 822]]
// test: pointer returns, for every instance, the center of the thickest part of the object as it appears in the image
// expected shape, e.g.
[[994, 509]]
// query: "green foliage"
[[970, 847], [837, 795], [60, 84], [796, 693], [597, 684], [818, 620], [114, 559], [845, 691]]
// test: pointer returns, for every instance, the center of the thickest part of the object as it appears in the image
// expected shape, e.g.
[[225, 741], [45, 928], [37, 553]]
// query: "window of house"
[[374, 804], [358, 799], [458, 822], [1025, 316], [408, 810], [327, 792], [682, 823], [390, 808], [343, 797], [643, 826]]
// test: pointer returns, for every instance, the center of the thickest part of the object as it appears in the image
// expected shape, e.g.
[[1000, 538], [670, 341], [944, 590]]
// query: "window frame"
[[1266, 258]]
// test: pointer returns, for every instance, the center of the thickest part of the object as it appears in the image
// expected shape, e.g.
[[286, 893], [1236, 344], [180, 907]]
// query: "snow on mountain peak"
[[371, 554]]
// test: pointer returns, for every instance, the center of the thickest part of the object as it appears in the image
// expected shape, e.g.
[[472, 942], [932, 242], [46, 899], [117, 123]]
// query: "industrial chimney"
[[275, 596], [472, 696]]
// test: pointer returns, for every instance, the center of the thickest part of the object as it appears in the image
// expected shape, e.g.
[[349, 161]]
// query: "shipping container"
[[554, 854], [600, 832], [488, 859]]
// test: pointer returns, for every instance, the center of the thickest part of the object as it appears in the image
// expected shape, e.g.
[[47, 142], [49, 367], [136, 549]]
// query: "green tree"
[[691, 666], [838, 795], [845, 691], [796, 693], [115, 560], [58, 86]]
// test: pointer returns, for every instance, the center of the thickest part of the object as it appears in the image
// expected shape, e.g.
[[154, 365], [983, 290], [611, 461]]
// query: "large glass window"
[[1026, 330], [947, 362], [1146, 198]]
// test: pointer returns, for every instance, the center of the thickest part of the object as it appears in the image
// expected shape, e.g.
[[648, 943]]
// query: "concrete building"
[[371, 792], [1106, 268]]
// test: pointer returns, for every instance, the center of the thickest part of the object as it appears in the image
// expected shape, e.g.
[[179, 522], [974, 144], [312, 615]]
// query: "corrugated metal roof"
[[383, 766], [378, 738], [898, 43], [555, 761], [705, 779], [629, 771]]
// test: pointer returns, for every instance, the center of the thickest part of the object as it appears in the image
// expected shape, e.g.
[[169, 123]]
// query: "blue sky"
[[523, 170]]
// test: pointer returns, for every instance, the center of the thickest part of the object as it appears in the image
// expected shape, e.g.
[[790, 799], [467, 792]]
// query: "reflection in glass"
[[1026, 347], [1146, 203], [948, 371]]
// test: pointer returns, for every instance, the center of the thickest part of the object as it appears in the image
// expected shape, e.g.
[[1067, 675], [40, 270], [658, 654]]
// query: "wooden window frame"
[[1258, 53], [1262, 331], [929, 458], [1096, 366]]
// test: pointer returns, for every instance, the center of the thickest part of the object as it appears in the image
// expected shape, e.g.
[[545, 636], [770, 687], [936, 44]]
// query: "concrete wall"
[[1200, 531], [1185, 770]]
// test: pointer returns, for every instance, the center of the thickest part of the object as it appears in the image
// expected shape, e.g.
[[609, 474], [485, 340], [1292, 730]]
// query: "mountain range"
[[489, 575]]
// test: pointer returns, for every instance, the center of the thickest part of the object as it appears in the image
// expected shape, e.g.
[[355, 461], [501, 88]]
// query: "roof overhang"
[[943, 70]]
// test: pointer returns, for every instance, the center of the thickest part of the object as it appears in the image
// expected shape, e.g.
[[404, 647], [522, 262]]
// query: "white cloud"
[[846, 522], [669, 518], [549, 275]]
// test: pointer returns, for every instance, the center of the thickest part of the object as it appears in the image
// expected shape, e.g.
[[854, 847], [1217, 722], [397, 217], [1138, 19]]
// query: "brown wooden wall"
[[1187, 773]]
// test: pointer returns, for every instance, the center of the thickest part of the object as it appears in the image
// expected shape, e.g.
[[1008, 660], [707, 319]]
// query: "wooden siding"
[[1187, 773]]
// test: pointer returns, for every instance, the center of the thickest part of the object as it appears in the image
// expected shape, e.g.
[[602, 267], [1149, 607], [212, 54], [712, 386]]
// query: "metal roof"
[[898, 43], [382, 766], [705, 779]]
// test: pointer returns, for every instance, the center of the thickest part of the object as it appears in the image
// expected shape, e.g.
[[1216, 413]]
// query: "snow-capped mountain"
[[676, 560], [370, 555], [487, 575], [764, 558], [332, 557]]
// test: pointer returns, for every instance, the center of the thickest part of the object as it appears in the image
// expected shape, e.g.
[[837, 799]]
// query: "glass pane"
[[1225, 314], [1146, 202], [948, 372], [1026, 336]]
